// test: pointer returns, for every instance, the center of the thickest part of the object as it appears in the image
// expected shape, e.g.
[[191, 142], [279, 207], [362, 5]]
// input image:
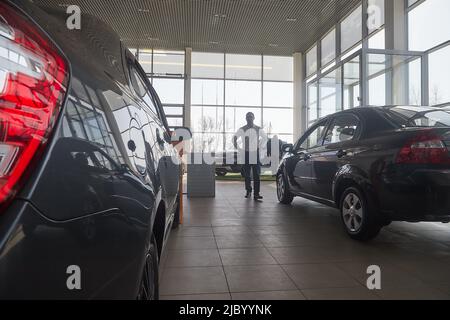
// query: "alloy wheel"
[[353, 212], [147, 290], [281, 188]]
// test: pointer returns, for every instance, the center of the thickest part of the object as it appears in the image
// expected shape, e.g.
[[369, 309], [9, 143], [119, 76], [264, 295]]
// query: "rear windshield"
[[418, 117]]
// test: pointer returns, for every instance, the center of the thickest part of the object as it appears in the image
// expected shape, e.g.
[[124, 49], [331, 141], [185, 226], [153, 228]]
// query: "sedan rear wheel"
[[352, 212], [221, 173], [359, 217]]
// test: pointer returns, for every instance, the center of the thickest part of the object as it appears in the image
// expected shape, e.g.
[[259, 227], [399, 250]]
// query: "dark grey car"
[[88, 181]]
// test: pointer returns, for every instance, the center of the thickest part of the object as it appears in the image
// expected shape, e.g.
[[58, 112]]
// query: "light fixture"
[[144, 10], [273, 45], [214, 42], [291, 19]]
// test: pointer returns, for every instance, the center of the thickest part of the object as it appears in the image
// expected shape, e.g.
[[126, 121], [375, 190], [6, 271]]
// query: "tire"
[[283, 193], [176, 218], [358, 215], [149, 284], [221, 173]]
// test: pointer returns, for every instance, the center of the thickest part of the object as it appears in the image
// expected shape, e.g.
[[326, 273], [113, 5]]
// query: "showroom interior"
[[290, 62]]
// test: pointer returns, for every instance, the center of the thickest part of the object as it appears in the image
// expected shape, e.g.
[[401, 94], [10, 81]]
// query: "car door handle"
[[341, 153]]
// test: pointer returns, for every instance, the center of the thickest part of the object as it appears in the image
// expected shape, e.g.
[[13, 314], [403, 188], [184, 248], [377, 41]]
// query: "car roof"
[[382, 108]]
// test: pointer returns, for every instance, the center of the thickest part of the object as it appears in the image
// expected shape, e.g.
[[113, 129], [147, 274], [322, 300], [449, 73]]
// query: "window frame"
[[324, 122], [333, 120], [132, 62]]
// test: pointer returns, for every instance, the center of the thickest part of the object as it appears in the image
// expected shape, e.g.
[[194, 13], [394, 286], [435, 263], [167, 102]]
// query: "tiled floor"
[[233, 248]]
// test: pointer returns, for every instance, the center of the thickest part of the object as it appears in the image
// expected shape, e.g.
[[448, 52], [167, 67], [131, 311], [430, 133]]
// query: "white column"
[[299, 96], [396, 25], [397, 39], [187, 87]]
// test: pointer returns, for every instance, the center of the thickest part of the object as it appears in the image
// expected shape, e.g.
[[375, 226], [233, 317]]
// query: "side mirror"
[[287, 148], [167, 137], [181, 134]]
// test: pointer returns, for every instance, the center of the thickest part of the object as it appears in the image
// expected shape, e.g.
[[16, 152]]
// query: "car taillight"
[[33, 79], [424, 149]]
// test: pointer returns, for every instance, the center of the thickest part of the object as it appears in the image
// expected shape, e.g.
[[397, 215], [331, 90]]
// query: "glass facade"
[[334, 82], [165, 70], [425, 33], [428, 24], [351, 29], [329, 86], [328, 47], [225, 87]]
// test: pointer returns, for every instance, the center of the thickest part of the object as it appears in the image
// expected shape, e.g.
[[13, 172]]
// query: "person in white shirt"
[[252, 140]]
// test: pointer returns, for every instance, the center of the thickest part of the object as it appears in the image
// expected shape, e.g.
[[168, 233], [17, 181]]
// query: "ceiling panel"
[[278, 27]]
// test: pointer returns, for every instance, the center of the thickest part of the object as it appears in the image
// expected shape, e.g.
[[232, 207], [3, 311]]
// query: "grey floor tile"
[[258, 278], [191, 243], [419, 293], [269, 295], [197, 222], [242, 257], [353, 293], [391, 276], [232, 230], [194, 258], [444, 287], [188, 281], [184, 231], [215, 222], [238, 242], [318, 276], [296, 240], [309, 254], [429, 271], [194, 297], [308, 240]]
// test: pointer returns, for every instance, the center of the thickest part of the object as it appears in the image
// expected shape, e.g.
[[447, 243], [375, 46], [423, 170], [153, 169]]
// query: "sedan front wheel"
[[283, 193], [149, 286]]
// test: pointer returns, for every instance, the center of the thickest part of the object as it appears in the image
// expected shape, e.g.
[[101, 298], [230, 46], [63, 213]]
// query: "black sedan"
[[88, 191], [377, 165]]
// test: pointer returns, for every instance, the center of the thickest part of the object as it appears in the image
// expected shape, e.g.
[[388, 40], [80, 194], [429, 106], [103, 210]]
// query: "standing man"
[[252, 138]]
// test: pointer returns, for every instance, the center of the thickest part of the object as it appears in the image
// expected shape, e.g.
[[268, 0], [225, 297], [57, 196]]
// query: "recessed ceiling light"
[[217, 15], [273, 45], [291, 20], [144, 10], [214, 42], [153, 39]]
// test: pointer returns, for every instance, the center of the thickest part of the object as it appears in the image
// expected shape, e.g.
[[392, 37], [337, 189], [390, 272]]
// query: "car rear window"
[[418, 117]]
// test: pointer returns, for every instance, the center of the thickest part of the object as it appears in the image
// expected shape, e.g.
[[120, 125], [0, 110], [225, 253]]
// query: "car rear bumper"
[[423, 195]]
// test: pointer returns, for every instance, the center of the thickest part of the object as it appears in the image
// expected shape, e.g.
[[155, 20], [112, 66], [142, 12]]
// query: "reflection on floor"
[[234, 248]]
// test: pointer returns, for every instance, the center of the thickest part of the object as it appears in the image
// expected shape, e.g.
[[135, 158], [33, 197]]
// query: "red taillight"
[[33, 78], [424, 149]]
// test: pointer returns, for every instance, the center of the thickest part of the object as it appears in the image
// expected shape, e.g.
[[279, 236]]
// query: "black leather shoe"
[[248, 195], [258, 197]]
